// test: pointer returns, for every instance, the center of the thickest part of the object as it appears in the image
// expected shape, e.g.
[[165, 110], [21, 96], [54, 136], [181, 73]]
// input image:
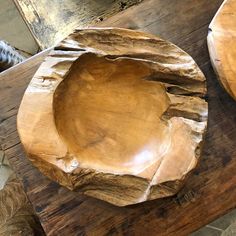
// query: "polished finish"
[[222, 45], [207, 195], [106, 116]]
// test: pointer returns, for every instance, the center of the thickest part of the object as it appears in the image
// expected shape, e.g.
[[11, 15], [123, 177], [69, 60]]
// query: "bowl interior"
[[110, 116]]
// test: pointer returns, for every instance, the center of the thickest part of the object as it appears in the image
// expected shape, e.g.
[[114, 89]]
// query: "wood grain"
[[16, 215], [210, 193], [50, 26], [221, 44], [106, 116]]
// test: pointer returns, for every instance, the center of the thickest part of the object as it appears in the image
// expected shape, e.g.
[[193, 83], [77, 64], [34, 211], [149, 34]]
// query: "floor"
[[5, 170], [14, 30]]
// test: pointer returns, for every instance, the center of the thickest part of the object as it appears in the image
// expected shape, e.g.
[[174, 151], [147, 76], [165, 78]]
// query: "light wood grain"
[[222, 45], [101, 116]]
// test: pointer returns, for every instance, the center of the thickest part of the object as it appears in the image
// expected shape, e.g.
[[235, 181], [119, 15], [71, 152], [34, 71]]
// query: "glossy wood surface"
[[211, 191], [105, 116], [222, 45]]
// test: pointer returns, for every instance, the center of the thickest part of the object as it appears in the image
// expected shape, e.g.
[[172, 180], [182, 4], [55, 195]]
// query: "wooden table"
[[208, 194], [48, 27]]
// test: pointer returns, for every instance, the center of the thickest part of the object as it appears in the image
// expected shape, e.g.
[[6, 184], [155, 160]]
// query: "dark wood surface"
[[208, 194], [51, 21]]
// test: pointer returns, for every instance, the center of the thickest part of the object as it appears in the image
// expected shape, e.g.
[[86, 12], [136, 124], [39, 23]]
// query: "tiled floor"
[[218, 226], [5, 170], [14, 30]]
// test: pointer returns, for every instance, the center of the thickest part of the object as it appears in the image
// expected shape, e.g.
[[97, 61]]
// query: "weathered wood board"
[[222, 45], [210, 193], [51, 21]]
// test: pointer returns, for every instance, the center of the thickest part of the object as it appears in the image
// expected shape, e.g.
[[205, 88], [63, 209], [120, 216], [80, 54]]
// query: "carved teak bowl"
[[116, 114]]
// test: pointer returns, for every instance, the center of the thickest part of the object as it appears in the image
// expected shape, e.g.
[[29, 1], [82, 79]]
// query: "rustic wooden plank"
[[211, 191], [51, 21]]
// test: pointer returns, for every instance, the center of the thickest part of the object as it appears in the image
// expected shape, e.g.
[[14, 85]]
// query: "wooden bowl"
[[116, 114], [222, 46]]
